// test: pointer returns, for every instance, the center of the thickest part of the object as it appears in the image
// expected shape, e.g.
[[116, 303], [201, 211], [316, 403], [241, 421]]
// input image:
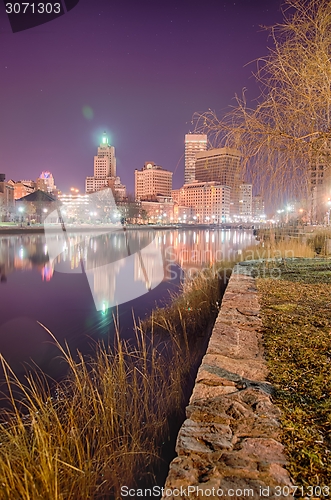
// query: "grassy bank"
[[296, 316], [104, 425], [194, 307]]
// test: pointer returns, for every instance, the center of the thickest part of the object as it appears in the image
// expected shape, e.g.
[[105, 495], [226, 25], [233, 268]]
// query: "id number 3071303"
[[38, 8]]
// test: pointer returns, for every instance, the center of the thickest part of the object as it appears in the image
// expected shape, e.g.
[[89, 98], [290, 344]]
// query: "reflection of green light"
[[104, 308], [87, 112]]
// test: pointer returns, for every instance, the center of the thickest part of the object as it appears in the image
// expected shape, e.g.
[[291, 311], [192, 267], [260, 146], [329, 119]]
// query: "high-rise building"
[[6, 199], [221, 165], [245, 201], [210, 200], [105, 161], [193, 144], [257, 206], [45, 182], [105, 171], [320, 187], [152, 181]]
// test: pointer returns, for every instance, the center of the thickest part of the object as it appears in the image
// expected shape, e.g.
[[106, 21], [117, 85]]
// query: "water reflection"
[[81, 253], [72, 294]]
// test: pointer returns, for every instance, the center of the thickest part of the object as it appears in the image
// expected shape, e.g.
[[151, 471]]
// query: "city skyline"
[[140, 77]]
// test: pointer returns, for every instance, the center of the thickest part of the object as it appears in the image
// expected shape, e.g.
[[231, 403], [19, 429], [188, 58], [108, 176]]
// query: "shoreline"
[[7, 230]]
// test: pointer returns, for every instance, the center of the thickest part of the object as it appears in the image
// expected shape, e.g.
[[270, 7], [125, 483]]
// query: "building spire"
[[104, 138]]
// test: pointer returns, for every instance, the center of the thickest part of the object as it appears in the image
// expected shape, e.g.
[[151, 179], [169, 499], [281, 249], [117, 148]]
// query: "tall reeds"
[[274, 245]]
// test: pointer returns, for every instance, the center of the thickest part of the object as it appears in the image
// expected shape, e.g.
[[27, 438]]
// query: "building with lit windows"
[[210, 201], [45, 182], [194, 143], [105, 161], [7, 200], [258, 207], [320, 186], [160, 211], [105, 171], [245, 201], [152, 181], [224, 166], [22, 188]]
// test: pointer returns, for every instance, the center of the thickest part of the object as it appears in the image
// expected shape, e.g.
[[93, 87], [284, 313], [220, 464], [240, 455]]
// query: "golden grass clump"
[[274, 245], [194, 307], [102, 428]]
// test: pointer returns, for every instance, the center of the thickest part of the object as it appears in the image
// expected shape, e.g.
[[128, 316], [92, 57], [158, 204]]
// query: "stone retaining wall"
[[230, 439]]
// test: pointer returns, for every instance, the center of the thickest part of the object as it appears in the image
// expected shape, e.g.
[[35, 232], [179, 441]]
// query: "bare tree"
[[289, 129]]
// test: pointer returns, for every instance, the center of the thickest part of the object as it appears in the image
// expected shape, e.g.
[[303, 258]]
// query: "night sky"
[[138, 70]]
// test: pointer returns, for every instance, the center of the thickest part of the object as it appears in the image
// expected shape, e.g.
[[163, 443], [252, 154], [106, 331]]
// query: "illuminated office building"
[[194, 143], [152, 181], [105, 171], [210, 201], [245, 201], [221, 165]]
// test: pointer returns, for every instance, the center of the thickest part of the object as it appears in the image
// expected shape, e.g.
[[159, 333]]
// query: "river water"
[[75, 286]]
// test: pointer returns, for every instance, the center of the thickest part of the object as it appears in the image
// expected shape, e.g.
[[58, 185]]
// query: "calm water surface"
[[71, 295]]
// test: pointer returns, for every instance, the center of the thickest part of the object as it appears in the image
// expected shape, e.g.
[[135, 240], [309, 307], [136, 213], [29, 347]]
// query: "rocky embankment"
[[229, 444]]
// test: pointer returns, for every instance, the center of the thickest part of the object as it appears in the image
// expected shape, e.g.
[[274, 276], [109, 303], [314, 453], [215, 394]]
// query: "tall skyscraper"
[[105, 171], [105, 161], [193, 144], [222, 165], [245, 201], [151, 181]]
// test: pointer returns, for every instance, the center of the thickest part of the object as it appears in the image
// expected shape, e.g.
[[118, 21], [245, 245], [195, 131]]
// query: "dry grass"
[[274, 246], [102, 428], [297, 321], [194, 307], [104, 425]]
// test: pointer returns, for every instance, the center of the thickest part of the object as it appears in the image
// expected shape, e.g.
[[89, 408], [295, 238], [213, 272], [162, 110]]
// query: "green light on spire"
[[105, 138]]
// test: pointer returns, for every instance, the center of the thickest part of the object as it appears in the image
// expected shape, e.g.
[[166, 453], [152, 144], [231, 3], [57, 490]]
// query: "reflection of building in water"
[[105, 282], [147, 269], [24, 253], [197, 249]]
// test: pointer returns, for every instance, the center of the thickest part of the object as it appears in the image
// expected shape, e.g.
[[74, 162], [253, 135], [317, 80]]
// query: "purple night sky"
[[142, 67]]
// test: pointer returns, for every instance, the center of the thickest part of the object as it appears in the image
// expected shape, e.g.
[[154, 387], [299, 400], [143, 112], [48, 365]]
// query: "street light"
[[329, 204], [21, 210]]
